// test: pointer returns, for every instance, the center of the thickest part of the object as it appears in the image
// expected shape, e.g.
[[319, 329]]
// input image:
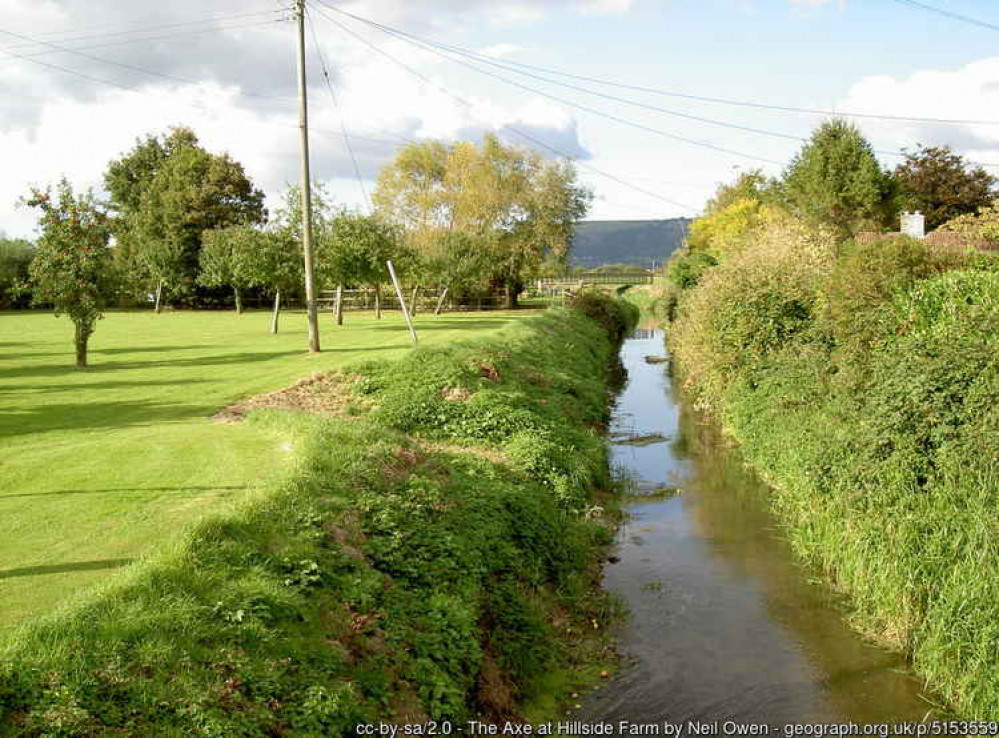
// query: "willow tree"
[[517, 207]]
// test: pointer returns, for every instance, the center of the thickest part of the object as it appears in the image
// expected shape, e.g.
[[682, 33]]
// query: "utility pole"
[[306, 193]]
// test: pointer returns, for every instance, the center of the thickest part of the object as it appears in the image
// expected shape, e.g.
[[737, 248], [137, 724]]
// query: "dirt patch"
[[489, 372], [456, 394], [322, 393]]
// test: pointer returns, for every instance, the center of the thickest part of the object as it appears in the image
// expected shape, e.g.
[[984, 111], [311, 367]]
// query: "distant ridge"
[[645, 243]]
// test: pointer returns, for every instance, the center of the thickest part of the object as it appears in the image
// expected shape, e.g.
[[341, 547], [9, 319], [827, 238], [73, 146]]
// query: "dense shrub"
[[685, 270], [750, 306], [887, 482], [857, 297], [617, 317]]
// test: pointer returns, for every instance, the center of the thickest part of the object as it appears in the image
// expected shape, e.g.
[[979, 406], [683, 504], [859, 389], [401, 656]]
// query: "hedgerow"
[[862, 381]]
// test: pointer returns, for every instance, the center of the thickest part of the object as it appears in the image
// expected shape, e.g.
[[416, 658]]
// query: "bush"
[[617, 317], [887, 482], [857, 297], [750, 306], [686, 269]]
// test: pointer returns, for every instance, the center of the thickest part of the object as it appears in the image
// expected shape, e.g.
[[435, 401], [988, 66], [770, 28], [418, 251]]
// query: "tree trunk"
[[159, 296], [440, 302], [412, 301], [338, 310], [378, 302], [509, 296], [277, 311], [239, 301], [81, 339]]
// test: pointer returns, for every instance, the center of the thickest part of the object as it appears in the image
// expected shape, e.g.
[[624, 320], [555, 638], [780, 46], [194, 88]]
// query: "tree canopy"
[[165, 193], [72, 265], [942, 185], [836, 181], [508, 201]]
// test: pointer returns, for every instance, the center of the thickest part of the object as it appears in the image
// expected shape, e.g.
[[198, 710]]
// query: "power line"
[[146, 39], [514, 129], [112, 62], [585, 108], [672, 93], [336, 105], [949, 14], [429, 46], [74, 36]]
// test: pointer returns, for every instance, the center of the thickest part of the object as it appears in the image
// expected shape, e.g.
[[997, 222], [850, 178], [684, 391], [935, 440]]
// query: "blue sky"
[[873, 56]]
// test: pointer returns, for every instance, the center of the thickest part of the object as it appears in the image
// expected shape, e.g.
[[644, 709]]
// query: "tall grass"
[[862, 381]]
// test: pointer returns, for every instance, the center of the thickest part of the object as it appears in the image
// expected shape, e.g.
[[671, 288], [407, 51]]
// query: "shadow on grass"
[[112, 490], [110, 366], [49, 388], [86, 416], [443, 325], [98, 565]]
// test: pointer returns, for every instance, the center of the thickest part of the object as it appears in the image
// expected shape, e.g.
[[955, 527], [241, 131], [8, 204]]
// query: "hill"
[[646, 243]]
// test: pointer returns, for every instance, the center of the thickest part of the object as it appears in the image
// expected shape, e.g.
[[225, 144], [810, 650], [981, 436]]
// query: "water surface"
[[723, 624]]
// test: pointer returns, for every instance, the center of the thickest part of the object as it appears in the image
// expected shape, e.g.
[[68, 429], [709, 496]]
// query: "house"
[[914, 225]]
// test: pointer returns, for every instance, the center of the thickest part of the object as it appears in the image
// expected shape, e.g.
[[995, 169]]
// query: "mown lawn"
[[101, 466]]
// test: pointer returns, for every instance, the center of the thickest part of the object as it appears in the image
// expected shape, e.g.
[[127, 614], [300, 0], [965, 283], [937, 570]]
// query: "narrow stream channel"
[[723, 624]]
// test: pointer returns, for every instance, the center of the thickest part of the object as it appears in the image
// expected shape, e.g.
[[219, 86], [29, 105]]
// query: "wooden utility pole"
[[306, 194]]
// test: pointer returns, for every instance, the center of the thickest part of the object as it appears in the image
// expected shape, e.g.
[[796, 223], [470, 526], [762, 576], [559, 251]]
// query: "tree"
[[943, 185], [229, 258], [166, 193], [520, 208], [354, 251], [281, 267], [836, 181], [15, 258], [751, 185], [729, 230], [126, 180], [72, 265], [243, 256]]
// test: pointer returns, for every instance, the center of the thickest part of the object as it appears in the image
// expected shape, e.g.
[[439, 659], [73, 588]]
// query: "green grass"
[[433, 557], [99, 467], [861, 381]]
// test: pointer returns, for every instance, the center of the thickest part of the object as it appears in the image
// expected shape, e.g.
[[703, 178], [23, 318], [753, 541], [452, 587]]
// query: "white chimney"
[[914, 224]]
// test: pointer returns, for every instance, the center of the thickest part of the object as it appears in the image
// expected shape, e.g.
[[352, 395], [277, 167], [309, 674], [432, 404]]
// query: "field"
[[100, 467]]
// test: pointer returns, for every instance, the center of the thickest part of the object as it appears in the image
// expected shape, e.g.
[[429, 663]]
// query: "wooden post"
[[440, 302], [378, 302], [402, 301], [338, 309], [277, 311]]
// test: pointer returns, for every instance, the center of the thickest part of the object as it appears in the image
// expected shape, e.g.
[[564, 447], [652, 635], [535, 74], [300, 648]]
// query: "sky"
[[81, 80]]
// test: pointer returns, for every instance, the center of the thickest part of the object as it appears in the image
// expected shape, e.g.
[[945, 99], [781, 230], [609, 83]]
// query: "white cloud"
[[500, 51], [605, 7], [969, 93]]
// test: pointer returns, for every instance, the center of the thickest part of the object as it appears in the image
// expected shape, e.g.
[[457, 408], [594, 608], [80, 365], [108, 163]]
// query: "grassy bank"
[[862, 381], [97, 467], [430, 557]]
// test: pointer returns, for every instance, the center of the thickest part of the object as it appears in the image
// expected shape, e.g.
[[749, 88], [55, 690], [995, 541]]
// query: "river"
[[723, 624]]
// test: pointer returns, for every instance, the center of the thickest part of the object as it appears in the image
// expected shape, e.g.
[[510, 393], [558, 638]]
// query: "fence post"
[[402, 300]]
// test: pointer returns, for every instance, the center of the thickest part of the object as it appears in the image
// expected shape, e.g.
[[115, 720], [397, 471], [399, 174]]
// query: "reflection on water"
[[723, 624]]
